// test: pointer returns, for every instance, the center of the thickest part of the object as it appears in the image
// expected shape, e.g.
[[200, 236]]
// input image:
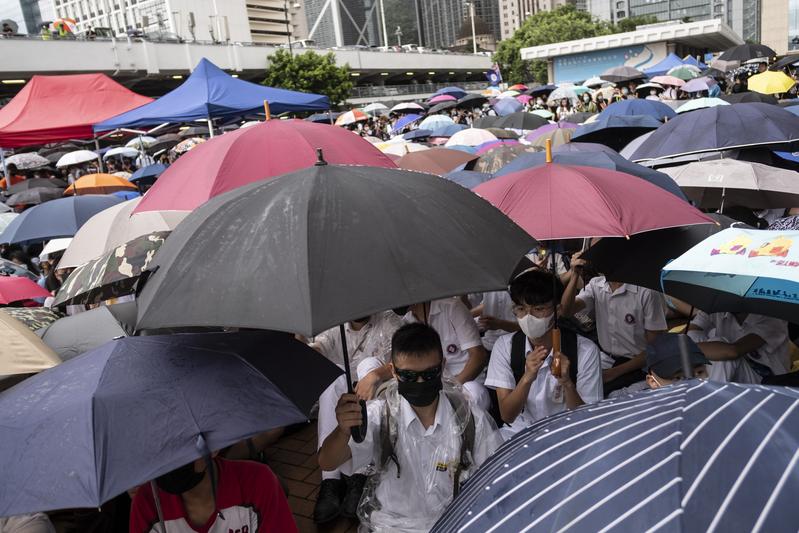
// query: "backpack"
[[388, 437], [568, 347]]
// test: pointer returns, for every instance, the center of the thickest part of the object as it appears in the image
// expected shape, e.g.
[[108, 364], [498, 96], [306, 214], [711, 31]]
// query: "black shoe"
[[328, 502], [355, 485]]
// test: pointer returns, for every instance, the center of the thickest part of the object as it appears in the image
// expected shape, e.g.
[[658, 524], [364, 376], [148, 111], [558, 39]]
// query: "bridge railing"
[[412, 88]]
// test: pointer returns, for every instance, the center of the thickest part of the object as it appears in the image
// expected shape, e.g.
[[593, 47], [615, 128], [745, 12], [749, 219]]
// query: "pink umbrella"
[[568, 202], [16, 288], [442, 98], [668, 80], [536, 133], [486, 146], [524, 98], [246, 155]]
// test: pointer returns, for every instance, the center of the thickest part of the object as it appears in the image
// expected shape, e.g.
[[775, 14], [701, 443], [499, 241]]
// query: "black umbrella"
[[443, 106], [748, 97], [639, 259], [745, 52], [487, 121], [622, 74], [521, 120], [471, 100], [500, 133], [164, 142], [615, 131], [194, 131], [786, 61], [580, 117], [541, 90], [35, 196], [32, 183]]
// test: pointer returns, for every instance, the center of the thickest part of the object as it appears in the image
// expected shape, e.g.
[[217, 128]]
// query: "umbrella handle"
[[359, 432]]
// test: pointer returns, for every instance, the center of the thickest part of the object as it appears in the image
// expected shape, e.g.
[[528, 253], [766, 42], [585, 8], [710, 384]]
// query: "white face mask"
[[534, 327]]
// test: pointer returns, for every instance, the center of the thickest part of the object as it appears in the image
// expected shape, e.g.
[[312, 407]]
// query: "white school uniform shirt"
[[372, 340], [539, 402], [428, 457], [497, 304], [775, 353], [622, 317], [457, 329]]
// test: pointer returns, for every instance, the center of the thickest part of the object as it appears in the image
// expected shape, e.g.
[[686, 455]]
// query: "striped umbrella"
[[695, 456], [351, 117]]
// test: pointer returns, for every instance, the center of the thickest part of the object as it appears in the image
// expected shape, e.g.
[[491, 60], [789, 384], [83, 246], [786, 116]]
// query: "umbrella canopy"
[[594, 81], [212, 93], [502, 134], [558, 137], [447, 131], [457, 92], [714, 184], [193, 131], [402, 148], [99, 184], [34, 318], [337, 213], [252, 154], [416, 134], [745, 52], [471, 100], [657, 110], [164, 142], [543, 113], [684, 72], [664, 65], [35, 196], [639, 259], [507, 106], [700, 103], [59, 218], [521, 121], [562, 92], [470, 137], [27, 161], [739, 270], [433, 122], [669, 80], [114, 227], [319, 118], [542, 89], [73, 335], [121, 151], [702, 83], [498, 156], [76, 158], [622, 74], [468, 178], [435, 161], [5, 219], [524, 98], [573, 147], [16, 288], [10, 268], [567, 202], [150, 404], [509, 94], [148, 172], [22, 352], [644, 89], [749, 97], [442, 98], [407, 107], [142, 142], [443, 106], [376, 108], [770, 82], [111, 275], [679, 458], [615, 131], [405, 121], [54, 246], [351, 117], [707, 130], [31, 183]]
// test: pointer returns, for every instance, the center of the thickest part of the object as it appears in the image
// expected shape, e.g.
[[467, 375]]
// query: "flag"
[[494, 75]]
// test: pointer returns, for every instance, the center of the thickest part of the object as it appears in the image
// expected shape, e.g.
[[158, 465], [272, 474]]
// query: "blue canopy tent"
[[691, 60], [669, 62], [211, 93]]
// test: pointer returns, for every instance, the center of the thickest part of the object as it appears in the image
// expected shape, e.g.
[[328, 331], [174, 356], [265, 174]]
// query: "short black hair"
[[415, 340], [535, 287]]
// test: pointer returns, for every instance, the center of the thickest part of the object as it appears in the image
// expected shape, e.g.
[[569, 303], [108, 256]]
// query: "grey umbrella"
[[35, 196], [73, 335], [27, 161], [621, 74]]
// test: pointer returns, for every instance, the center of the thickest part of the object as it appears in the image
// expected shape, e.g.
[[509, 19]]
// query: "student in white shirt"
[[537, 393], [425, 425]]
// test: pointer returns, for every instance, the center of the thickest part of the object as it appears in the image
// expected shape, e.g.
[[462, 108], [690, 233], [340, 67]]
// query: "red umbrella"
[[568, 202], [237, 158], [16, 288]]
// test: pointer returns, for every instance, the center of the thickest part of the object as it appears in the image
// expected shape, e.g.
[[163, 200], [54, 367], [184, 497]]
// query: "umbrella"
[[749, 97], [700, 103], [739, 270], [486, 146], [447, 131], [678, 458], [148, 172], [657, 110], [58, 218], [520, 121], [141, 142], [557, 136], [10, 268], [73, 335], [69, 25], [594, 82], [16, 288], [468, 178], [498, 156], [622, 74], [22, 352], [138, 407], [770, 82], [407, 107], [5, 219], [442, 98], [470, 137], [35, 196], [34, 318], [376, 108], [745, 52], [4, 209], [126, 195], [251, 154], [524, 98], [699, 84], [785, 223], [471, 100], [639, 259], [115, 226], [76, 158], [645, 87], [99, 184], [457, 92], [507, 106], [509, 94], [327, 117], [728, 127], [568, 202], [27, 161], [11, 24], [575, 147], [31, 183], [54, 246], [433, 122], [669, 80], [724, 65], [416, 134], [443, 106], [609, 160], [435, 161], [121, 151], [542, 89], [164, 142], [543, 113], [405, 121], [787, 61], [187, 145], [684, 72], [562, 92], [615, 131], [351, 117], [580, 117], [714, 184], [486, 122], [400, 149], [518, 87], [501, 134]]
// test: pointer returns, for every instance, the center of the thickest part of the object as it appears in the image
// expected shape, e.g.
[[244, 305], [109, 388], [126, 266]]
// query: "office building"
[[276, 21], [27, 14], [778, 31], [343, 22], [442, 19], [513, 13]]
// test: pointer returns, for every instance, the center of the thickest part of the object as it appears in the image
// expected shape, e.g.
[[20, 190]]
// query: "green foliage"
[[629, 24], [309, 72]]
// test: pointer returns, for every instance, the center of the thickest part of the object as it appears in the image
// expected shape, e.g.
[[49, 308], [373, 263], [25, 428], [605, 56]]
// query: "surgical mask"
[[625, 91], [420, 393], [586, 99], [180, 480], [534, 327], [539, 101]]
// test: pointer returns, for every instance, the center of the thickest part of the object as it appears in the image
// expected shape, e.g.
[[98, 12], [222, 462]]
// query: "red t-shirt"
[[248, 495]]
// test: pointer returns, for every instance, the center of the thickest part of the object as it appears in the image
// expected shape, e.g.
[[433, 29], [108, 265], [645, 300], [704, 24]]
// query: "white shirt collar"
[[443, 414]]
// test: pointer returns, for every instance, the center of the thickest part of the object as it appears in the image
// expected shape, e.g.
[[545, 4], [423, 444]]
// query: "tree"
[[629, 24], [309, 72]]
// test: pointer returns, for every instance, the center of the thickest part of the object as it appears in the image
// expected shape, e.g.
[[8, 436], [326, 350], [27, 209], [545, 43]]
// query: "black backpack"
[[568, 346]]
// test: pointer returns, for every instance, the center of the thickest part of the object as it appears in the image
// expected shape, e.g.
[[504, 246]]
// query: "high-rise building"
[[442, 19], [779, 31], [275, 21], [27, 14], [513, 13], [343, 22]]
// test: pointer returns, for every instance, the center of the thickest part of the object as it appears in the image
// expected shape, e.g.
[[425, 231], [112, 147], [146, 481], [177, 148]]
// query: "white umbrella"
[[594, 82], [141, 142], [376, 109], [401, 149], [27, 161], [406, 107], [53, 246], [471, 137], [121, 151], [76, 158], [561, 93], [6, 218]]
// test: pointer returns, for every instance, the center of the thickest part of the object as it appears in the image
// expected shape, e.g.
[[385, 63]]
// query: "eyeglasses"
[[413, 375], [521, 311]]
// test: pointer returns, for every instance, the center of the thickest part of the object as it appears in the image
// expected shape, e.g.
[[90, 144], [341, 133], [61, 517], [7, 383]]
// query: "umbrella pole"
[[723, 196], [158, 510], [210, 128], [358, 433], [5, 168]]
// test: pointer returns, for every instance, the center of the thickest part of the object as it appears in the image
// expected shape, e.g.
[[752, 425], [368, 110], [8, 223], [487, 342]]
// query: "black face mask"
[[180, 480], [420, 393]]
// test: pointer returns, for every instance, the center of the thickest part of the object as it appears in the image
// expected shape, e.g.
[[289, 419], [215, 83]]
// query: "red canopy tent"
[[56, 108]]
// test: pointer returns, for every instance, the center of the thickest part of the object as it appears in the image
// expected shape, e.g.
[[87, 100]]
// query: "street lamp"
[[474, 35]]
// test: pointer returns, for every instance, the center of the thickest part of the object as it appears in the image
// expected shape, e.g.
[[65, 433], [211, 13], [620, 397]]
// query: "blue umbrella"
[[57, 218], [468, 178], [457, 92], [324, 118], [698, 84], [447, 131], [417, 134], [150, 171], [695, 456], [507, 106], [793, 109], [572, 147], [463, 148], [615, 130], [611, 161], [739, 270], [126, 195], [405, 121], [92, 427], [638, 106], [727, 127]]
